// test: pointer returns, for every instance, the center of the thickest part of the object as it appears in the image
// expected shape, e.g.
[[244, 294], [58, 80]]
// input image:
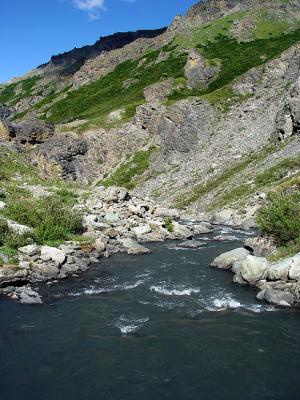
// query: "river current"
[[154, 327]]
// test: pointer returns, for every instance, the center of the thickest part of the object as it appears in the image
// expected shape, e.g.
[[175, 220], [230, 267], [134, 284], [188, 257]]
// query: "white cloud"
[[91, 6]]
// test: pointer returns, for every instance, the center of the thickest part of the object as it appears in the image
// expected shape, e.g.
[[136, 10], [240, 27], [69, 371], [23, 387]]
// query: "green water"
[[161, 326]]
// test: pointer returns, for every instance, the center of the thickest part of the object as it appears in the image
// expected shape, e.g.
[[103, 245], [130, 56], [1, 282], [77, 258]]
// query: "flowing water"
[[161, 326]]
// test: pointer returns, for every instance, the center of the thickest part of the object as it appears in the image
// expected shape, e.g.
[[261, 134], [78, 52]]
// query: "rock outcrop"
[[198, 72]]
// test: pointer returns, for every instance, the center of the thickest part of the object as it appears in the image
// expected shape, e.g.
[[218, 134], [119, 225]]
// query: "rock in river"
[[226, 260]]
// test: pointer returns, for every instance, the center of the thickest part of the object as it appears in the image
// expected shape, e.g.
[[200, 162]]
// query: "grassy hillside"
[[13, 93], [216, 43]]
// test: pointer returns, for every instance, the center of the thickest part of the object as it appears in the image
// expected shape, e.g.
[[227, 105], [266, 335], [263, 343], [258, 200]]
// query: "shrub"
[[51, 218], [4, 229], [14, 240], [169, 224], [281, 217]]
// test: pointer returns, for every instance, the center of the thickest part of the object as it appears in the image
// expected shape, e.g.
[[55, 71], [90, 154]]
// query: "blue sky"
[[33, 30]]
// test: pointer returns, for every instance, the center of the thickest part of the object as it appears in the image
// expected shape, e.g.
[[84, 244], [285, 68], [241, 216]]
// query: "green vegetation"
[[225, 98], [126, 174], [51, 219], [238, 57], [99, 98], [278, 172], [275, 177], [13, 93], [4, 229], [169, 224], [280, 218], [12, 165], [208, 32], [233, 195]]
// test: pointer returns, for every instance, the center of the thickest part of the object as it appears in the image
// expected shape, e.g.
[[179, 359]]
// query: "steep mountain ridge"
[[200, 116], [71, 61]]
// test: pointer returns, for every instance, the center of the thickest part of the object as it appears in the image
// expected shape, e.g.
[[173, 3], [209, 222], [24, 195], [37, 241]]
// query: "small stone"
[[24, 264], [111, 217]]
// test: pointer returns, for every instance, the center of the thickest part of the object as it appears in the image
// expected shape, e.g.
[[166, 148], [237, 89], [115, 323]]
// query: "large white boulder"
[[280, 270], [294, 272], [2, 205], [226, 217], [254, 269], [226, 260], [18, 228], [52, 254]]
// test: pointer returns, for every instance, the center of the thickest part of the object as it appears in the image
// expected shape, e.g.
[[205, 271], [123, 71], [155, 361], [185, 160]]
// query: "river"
[[154, 327]]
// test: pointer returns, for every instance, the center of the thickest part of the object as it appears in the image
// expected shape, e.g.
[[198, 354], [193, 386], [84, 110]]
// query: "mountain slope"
[[202, 115]]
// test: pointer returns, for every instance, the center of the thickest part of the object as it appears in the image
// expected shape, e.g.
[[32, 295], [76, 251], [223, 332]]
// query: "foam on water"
[[128, 325], [92, 290], [174, 292], [227, 303]]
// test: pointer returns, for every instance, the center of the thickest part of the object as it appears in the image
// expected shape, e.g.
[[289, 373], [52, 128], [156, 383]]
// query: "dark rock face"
[[73, 60], [7, 131], [5, 111], [61, 156], [33, 131], [30, 131]]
